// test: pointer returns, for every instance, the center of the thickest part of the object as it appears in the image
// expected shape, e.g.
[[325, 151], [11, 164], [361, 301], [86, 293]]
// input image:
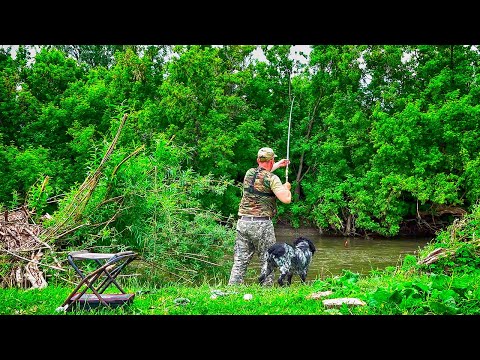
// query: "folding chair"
[[90, 290]]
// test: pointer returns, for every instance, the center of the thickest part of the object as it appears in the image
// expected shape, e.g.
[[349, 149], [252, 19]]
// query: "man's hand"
[[280, 163], [287, 185]]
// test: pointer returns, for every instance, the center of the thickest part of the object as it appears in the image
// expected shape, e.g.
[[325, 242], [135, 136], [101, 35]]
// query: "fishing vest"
[[258, 198]]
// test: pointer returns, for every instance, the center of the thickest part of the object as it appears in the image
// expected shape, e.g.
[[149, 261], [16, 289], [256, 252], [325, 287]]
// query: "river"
[[358, 255]]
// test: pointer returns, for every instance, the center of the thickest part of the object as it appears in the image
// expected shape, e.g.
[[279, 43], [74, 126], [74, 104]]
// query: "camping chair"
[[90, 290]]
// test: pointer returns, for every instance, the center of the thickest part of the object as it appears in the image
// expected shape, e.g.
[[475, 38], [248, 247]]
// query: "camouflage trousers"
[[252, 237]]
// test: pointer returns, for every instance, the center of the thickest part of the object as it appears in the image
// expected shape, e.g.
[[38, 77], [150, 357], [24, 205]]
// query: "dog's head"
[[298, 242]]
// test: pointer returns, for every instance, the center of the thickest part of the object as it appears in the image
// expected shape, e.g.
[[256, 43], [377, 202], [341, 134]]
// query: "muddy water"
[[358, 255]]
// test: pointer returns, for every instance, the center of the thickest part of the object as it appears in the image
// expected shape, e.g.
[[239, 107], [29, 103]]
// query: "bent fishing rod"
[[288, 139]]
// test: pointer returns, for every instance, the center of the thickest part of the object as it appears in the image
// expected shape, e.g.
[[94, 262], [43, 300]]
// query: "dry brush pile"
[[27, 248], [21, 250]]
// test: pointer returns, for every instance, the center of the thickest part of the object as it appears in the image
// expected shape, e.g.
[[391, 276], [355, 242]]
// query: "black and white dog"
[[289, 260]]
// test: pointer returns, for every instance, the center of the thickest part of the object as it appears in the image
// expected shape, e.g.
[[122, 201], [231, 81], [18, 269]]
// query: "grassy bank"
[[393, 291]]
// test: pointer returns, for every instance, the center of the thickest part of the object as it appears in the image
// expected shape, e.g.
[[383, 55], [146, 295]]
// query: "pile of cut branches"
[[463, 231], [21, 250], [23, 243]]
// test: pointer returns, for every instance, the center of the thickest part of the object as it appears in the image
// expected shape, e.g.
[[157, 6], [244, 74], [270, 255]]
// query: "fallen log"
[[432, 257]]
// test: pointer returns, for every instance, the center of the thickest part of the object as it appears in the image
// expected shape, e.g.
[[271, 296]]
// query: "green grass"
[[179, 300], [392, 291]]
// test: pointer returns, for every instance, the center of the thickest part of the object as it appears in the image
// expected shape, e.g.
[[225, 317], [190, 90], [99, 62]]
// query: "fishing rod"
[[288, 139]]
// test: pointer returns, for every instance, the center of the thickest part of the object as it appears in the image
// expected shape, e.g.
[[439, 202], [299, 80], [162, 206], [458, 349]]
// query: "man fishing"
[[255, 232]]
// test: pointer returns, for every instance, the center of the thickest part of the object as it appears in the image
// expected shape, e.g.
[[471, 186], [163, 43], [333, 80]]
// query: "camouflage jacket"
[[258, 193]]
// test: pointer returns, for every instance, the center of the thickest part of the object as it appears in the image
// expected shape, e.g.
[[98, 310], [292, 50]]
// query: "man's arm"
[[283, 193], [280, 163]]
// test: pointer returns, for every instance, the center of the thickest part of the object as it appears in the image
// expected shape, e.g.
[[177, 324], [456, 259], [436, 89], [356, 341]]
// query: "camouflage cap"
[[265, 154]]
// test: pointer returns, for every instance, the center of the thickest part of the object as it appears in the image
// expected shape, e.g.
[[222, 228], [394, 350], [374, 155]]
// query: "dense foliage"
[[383, 139]]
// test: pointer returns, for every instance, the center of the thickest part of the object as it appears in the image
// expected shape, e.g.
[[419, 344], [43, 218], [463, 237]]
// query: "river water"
[[358, 255]]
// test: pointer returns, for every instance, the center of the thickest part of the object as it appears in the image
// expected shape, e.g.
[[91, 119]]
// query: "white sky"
[[258, 53], [294, 53]]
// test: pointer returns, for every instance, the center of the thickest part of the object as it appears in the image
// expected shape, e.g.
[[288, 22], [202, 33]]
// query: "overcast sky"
[[258, 53], [294, 53]]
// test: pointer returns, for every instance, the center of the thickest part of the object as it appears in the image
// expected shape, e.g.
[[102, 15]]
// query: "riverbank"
[[409, 229], [443, 278], [396, 291]]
